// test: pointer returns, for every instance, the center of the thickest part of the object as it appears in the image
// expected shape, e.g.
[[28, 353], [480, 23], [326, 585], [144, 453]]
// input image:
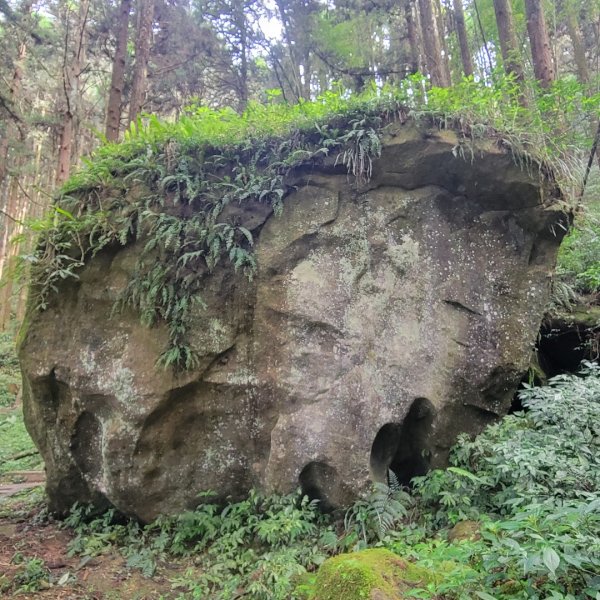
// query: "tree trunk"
[[508, 38], [431, 43], [143, 38], [540, 43], [13, 227], [577, 40], [115, 98], [14, 91], [413, 37], [441, 34], [73, 65], [463, 41]]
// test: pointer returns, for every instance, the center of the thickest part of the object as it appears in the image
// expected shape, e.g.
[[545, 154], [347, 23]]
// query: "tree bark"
[[441, 34], [431, 43], [540, 42], [577, 41], [73, 65], [142, 55], [115, 98], [14, 91], [508, 39], [463, 41], [413, 37]]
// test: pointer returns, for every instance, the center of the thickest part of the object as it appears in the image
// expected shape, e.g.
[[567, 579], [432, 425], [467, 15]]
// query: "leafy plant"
[[169, 185], [371, 518], [32, 575], [532, 482]]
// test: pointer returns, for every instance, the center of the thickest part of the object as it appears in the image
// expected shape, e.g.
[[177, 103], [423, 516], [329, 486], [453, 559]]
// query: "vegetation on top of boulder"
[[170, 183]]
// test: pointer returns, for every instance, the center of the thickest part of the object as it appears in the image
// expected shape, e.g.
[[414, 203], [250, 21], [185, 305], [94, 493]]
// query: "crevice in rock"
[[316, 479], [404, 448]]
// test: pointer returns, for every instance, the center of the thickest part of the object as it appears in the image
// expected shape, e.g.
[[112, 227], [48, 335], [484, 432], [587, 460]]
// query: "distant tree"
[[508, 38], [143, 40], [539, 41], [75, 21], [463, 41], [115, 98]]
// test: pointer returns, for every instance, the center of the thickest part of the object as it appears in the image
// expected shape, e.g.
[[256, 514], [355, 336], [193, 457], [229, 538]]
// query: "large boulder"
[[383, 321]]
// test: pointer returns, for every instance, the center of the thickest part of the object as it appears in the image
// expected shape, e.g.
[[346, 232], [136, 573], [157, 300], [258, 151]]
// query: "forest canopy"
[[78, 76]]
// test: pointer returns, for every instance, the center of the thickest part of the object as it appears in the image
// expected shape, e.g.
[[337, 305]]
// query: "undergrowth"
[[169, 185], [528, 487]]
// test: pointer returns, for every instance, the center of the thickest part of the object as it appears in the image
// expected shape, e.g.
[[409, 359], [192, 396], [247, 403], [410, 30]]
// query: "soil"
[[27, 533]]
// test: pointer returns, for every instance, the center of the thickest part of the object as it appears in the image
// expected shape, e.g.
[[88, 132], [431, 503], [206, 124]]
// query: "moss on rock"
[[371, 574]]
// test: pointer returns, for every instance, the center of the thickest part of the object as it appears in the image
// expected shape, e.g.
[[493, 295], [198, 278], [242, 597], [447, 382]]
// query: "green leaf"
[[551, 560], [64, 213]]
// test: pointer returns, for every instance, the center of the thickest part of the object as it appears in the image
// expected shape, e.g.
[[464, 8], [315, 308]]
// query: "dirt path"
[[33, 545], [21, 481]]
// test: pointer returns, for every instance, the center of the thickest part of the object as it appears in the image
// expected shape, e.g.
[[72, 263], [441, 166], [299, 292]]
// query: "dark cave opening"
[[404, 448], [561, 347], [315, 478]]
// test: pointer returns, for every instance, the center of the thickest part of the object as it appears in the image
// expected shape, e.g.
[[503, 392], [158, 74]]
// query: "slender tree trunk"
[[431, 43], [73, 65], [508, 38], [463, 41], [577, 41], [115, 98], [441, 34], [540, 42], [14, 91], [15, 210], [142, 55], [413, 37]]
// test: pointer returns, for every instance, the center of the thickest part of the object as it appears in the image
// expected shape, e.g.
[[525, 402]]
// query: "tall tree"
[[539, 41], [570, 14], [508, 38], [115, 98], [14, 89], [143, 40], [432, 46], [412, 36], [72, 68], [463, 40]]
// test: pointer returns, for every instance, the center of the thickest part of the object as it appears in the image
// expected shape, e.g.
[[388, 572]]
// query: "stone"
[[384, 320], [373, 574], [465, 530]]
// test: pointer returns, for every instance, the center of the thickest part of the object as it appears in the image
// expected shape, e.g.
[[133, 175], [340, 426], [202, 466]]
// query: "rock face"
[[382, 322]]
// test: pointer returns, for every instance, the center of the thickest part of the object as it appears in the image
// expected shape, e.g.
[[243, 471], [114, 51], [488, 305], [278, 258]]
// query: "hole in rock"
[[562, 347], [404, 447], [316, 479]]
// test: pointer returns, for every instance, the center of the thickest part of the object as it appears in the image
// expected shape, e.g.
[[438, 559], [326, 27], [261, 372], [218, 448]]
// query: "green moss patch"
[[375, 573]]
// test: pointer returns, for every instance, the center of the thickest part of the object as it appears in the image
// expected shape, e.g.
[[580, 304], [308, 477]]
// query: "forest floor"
[[35, 561]]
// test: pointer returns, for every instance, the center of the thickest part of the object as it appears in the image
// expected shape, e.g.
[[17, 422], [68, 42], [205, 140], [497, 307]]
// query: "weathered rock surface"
[[382, 322]]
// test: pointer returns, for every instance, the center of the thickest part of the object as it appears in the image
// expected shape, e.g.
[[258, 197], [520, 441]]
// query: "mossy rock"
[[374, 574], [465, 530]]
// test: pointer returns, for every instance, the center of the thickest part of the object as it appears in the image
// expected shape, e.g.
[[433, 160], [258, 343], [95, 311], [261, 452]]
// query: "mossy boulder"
[[374, 574], [465, 530], [385, 317]]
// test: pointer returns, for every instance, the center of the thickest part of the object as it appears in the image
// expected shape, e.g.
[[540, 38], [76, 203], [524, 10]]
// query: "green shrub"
[[533, 481]]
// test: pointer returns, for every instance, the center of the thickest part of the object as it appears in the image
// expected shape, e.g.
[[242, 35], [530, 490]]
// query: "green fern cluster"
[[169, 184], [172, 197]]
